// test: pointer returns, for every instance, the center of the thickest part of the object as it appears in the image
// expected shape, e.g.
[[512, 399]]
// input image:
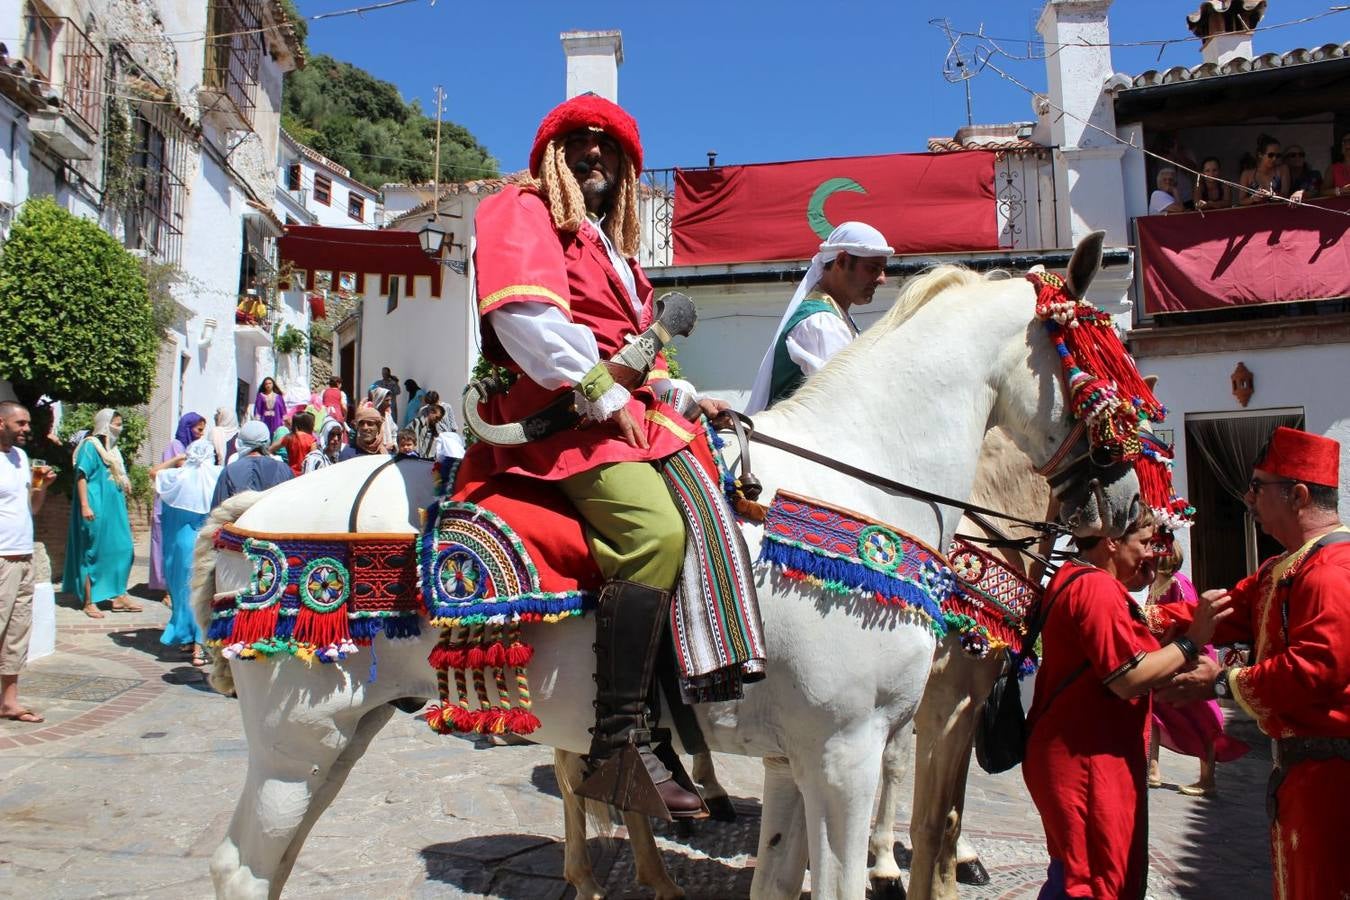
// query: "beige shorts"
[[16, 613]]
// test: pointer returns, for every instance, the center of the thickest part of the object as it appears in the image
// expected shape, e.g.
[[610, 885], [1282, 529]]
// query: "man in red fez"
[[1295, 611], [559, 292]]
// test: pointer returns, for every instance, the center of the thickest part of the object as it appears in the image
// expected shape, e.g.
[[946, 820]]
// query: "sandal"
[[94, 612], [198, 659], [123, 604], [24, 715]]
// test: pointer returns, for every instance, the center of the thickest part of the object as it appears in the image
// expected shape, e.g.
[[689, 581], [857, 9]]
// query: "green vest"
[[787, 375]]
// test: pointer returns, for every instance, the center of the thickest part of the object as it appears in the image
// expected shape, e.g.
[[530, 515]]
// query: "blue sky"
[[755, 81]]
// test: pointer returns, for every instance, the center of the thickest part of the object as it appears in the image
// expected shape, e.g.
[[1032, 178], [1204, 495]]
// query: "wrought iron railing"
[[154, 223], [1024, 194], [56, 44], [234, 49]]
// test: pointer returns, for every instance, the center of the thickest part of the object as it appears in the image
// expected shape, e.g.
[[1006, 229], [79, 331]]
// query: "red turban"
[[1301, 456], [588, 111]]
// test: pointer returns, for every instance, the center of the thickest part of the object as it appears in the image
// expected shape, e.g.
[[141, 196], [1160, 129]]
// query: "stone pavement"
[[129, 786]]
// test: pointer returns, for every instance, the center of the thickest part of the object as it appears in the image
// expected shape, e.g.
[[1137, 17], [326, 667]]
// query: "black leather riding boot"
[[626, 773]]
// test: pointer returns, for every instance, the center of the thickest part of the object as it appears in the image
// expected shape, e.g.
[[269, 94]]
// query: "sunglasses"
[[1256, 484]]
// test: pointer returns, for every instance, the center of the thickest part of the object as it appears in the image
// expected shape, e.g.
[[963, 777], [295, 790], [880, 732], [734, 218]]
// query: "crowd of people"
[[1276, 172]]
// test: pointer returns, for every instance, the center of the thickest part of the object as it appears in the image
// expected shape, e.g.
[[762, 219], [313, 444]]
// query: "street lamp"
[[433, 239]]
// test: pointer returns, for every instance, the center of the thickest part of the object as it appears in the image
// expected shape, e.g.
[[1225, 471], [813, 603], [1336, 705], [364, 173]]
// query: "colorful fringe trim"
[[989, 609], [463, 658], [316, 596], [842, 551]]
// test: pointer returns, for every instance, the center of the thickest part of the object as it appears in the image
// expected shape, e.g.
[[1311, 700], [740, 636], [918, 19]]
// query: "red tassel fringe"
[[253, 625], [322, 629]]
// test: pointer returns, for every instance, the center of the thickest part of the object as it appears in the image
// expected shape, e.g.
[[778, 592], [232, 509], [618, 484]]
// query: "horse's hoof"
[[888, 889], [972, 873], [721, 809]]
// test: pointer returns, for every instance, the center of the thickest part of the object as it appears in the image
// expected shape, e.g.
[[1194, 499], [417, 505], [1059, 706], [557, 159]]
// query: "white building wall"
[[1309, 378], [334, 214]]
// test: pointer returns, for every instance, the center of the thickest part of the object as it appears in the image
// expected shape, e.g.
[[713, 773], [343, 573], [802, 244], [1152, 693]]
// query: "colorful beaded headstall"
[[1107, 394], [843, 551], [316, 596]]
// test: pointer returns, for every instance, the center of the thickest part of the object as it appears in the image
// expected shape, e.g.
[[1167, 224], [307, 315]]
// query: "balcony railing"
[[1223, 260], [56, 44], [234, 51], [1024, 194]]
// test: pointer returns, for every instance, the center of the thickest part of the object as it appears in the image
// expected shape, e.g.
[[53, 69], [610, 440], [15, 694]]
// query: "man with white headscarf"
[[254, 469], [847, 270]]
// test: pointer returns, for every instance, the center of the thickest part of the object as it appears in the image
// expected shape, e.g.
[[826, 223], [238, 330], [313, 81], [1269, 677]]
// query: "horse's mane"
[[917, 293]]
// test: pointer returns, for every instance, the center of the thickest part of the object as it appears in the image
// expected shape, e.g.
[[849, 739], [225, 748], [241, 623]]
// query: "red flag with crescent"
[[921, 202]]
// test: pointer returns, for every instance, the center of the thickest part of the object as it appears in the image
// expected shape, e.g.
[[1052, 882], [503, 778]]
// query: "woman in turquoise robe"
[[98, 545], [185, 485]]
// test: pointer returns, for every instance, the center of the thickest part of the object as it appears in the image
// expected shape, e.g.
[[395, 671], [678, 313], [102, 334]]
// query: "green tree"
[[362, 123], [76, 322]]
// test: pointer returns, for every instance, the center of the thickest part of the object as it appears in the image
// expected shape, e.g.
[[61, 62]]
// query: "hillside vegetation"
[[362, 123]]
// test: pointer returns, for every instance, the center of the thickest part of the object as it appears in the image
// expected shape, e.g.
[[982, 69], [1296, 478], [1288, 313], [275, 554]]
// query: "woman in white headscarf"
[[382, 402], [326, 451], [98, 544], [185, 488], [224, 437]]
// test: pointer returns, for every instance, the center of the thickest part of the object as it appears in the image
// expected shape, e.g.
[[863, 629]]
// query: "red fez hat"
[[1301, 456], [588, 111]]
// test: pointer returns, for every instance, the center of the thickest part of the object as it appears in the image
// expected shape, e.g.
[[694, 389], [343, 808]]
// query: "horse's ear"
[[1083, 266]]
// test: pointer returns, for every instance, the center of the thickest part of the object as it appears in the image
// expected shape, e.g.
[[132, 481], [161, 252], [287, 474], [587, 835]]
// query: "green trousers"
[[633, 525]]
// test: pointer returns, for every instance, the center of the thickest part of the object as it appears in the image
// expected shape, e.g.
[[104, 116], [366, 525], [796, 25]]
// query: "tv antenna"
[[961, 64]]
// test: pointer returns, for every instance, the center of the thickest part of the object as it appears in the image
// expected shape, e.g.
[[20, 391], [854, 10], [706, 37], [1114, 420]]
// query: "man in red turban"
[[1295, 611], [559, 292]]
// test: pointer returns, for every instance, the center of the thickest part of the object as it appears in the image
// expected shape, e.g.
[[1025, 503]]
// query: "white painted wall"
[[334, 213], [1311, 378]]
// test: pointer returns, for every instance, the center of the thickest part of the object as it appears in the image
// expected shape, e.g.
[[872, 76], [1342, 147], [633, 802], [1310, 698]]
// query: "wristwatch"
[[1222, 689]]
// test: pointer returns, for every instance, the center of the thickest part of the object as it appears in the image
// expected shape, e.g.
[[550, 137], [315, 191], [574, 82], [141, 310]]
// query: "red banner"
[[1251, 255], [922, 202]]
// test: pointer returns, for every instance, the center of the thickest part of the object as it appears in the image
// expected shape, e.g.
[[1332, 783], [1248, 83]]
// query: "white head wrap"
[[854, 238], [191, 486]]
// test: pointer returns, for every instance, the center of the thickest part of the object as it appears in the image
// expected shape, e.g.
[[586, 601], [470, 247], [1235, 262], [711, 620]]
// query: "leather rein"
[[744, 428]]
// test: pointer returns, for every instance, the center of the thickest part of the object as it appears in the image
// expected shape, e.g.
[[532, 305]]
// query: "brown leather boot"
[[625, 772]]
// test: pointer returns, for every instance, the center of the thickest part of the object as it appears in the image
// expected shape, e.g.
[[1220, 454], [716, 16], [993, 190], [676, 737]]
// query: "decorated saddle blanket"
[[714, 619], [845, 552]]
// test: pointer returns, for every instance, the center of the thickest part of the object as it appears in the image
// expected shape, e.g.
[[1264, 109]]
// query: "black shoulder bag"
[[1001, 733]]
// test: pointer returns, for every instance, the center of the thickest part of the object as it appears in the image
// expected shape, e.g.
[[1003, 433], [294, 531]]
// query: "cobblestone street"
[[128, 787]]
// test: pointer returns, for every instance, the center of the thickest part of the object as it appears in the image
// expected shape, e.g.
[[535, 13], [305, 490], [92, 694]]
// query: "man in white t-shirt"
[[20, 498]]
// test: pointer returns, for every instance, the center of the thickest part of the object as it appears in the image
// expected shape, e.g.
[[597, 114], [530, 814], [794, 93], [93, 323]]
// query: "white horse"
[[843, 676], [945, 721]]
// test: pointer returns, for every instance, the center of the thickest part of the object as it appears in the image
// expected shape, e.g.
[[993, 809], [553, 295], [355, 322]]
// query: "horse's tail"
[[203, 582]]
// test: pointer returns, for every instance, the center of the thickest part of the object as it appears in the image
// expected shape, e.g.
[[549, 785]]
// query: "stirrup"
[[622, 781]]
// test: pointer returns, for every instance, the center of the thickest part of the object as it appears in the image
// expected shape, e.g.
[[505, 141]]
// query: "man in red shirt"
[[559, 292], [1295, 611]]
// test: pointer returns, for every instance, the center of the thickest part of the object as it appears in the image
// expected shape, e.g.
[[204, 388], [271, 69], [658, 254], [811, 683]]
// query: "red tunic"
[[1087, 755], [1299, 686], [521, 257]]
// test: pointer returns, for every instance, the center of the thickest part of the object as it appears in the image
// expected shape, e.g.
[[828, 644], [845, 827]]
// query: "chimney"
[[1224, 28], [593, 60]]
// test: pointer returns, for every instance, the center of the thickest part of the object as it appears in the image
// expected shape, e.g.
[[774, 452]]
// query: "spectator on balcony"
[[269, 407], [1210, 191], [1164, 200], [1268, 179], [1304, 182], [416, 397], [1340, 169]]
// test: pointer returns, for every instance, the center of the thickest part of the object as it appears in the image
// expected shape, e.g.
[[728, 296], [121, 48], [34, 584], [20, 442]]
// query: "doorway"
[[1226, 545], [347, 372]]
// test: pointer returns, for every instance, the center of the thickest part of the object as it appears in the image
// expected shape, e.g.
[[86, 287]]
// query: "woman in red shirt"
[[1087, 754]]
